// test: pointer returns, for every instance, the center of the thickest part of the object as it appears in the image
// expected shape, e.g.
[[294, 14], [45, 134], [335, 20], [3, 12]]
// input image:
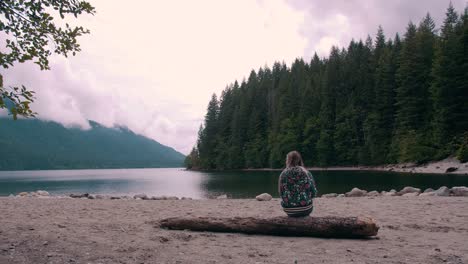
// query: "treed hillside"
[[379, 101], [34, 144]]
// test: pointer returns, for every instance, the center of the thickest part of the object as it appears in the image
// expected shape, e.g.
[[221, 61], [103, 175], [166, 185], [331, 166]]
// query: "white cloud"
[[337, 22], [153, 65]]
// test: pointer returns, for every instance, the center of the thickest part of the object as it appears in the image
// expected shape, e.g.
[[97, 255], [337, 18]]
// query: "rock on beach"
[[459, 191], [356, 192], [409, 189], [264, 197]]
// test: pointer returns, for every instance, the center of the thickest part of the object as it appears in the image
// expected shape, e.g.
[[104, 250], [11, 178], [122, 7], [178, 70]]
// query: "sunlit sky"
[[152, 65]]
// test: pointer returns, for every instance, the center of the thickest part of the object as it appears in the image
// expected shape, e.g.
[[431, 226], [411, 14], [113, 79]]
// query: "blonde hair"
[[294, 159]]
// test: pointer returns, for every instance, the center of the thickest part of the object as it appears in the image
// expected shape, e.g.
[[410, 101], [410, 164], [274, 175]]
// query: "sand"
[[53, 230]]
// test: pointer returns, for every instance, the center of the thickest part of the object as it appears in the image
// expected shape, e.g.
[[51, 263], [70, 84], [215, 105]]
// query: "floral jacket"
[[296, 187]]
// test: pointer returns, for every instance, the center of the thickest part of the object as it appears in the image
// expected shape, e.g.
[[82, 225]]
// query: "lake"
[[195, 184]]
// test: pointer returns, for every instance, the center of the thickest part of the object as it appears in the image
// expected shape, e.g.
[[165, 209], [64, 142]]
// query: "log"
[[328, 227]]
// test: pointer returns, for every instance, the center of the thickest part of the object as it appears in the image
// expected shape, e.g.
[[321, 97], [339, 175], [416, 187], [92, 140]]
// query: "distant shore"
[[449, 166]]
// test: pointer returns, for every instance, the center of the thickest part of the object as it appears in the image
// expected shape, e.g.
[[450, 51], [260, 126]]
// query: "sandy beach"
[[65, 230]]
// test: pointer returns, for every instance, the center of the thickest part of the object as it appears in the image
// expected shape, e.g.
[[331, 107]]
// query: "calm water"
[[179, 182]]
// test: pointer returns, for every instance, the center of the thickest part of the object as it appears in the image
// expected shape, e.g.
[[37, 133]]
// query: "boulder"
[[92, 196], [409, 190], [115, 198], [141, 196], [42, 193], [442, 191], [341, 195], [100, 196], [451, 169], [356, 192], [23, 194], [428, 190], [428, 194], [330, 195], [84, 195], [264, 197], [186, 198], [459, 191], [159, 197], [411, 194], [373, 194], [389, 193], [224, 196]]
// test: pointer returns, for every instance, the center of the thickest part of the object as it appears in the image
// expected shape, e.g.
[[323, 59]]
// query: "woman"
[[296, 187]]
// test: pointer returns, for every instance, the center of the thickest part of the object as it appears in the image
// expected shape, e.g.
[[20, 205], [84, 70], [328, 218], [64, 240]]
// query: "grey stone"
[[451, 169], [373, 194], [84, 195], [100, 196], [409, 189], [159, 197], [428, 190], [356, 192], [427, 194], [330, 195], [411, 194], [385, 193], [141, 196], [442, 191], [459, 191], [186, 198], [264, 197], [42, 193], [92, 196], [224, 196], [341, 195]]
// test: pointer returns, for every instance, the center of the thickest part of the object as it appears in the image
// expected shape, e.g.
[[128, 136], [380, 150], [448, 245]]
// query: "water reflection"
[[179, 182]]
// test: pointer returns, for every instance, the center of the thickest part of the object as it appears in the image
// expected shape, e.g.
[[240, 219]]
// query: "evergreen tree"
[[376, 102]]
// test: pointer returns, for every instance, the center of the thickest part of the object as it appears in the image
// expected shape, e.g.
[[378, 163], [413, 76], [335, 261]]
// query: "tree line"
[[387, 100]]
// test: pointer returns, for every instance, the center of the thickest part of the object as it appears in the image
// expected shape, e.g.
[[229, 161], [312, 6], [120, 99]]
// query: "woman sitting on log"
[[296, 187]]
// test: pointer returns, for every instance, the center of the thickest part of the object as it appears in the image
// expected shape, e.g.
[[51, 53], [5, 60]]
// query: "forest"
[[378, 101]]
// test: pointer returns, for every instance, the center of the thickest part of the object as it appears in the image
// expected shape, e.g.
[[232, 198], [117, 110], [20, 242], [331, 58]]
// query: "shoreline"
[[434, 167]]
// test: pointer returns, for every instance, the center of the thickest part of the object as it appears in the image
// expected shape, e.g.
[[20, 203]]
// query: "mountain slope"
[[35, 144]]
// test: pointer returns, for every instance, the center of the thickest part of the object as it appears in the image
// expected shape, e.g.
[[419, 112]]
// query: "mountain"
[[31, 144]]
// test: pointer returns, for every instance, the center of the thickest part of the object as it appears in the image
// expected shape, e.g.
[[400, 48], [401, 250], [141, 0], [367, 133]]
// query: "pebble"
[[356, 192], [141, 196], [409, 189], [264, 197], [442, 191]]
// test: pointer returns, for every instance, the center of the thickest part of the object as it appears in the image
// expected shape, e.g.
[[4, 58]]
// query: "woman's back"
[[296, 187]]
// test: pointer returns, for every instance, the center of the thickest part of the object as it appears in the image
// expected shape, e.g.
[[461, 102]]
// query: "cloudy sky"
[[153, 65]]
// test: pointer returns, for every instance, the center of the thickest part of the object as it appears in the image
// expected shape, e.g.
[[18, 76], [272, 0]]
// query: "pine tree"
[[450, 87]]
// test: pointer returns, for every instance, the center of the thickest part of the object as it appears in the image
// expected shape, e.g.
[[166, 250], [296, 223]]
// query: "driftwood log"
[[330, 227]]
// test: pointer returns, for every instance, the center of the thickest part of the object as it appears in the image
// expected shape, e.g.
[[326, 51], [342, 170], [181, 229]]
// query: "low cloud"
[[153, 66]]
